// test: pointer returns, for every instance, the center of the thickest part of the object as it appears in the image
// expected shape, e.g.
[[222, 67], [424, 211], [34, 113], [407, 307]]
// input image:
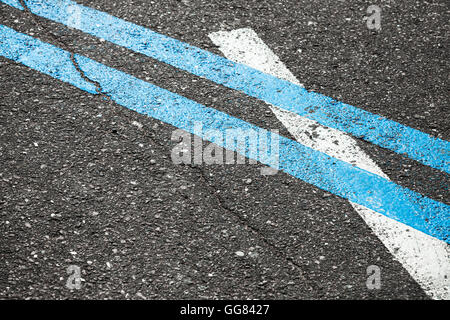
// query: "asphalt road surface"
[[88, 183]]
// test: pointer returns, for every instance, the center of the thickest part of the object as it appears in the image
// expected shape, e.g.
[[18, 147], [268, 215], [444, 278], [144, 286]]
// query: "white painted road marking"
[[427, 259]]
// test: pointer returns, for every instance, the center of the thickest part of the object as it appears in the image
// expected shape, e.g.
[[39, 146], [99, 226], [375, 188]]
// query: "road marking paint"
[[427, 259], [373, 128], [311, 166], [244, 46]]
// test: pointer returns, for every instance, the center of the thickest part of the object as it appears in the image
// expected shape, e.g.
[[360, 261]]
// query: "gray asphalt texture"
[[82, 185]]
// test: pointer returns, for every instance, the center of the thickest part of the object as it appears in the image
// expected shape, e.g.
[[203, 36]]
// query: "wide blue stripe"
[[333, 175], [370, 127]]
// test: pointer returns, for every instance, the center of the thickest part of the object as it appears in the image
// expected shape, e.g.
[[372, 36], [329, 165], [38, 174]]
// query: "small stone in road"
[[240, 253], [140, 295], [137, 124]]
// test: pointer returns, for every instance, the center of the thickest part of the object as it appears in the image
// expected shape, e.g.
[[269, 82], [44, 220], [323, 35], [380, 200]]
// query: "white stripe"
[[427, 259]]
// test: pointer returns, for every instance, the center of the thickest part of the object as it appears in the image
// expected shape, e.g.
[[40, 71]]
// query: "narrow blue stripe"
[[325, 172], [360, 123]]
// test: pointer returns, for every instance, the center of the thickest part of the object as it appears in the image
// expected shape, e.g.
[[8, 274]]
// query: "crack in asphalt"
[[67, 48], [219, 201], [248, 226]]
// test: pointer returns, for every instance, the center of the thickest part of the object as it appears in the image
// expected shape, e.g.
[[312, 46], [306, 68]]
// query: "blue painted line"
[[373, 128], [314, 167]]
